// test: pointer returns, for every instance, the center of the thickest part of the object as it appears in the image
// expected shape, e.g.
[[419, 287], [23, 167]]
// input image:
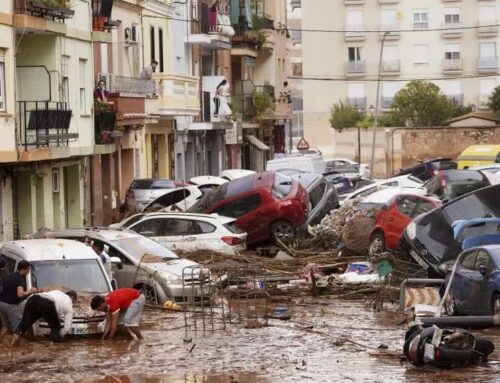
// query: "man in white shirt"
[[98, 247], [50, 306]]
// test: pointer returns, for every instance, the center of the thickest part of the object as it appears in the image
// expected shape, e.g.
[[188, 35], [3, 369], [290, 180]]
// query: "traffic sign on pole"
[[302, 145]]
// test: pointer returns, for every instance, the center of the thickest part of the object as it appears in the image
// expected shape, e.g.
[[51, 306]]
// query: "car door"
[[461, 286], [397, 218], [124, 273], [482, 287], [178, 234]]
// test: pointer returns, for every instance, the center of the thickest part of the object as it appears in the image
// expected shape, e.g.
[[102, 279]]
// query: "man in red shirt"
[[123, 307]]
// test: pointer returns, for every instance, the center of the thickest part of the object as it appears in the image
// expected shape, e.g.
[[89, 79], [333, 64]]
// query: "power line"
[[390, 78]]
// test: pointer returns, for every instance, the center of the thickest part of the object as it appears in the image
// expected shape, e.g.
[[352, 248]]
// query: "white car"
[[207, 183], [191, 232], [233, 174], [401, 181], [179, 199], [493, 168], [347, 167]]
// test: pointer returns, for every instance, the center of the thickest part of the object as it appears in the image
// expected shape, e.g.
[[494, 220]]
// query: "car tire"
[[377, 244], [282, 230], [495, 304], [149, 293], [450, 306]]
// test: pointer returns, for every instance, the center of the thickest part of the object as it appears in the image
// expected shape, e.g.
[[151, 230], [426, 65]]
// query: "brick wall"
[[224, 62]]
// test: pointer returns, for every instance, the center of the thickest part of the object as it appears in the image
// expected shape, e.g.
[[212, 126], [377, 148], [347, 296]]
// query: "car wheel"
[[495, 304], [377, 244], [282, 230], [450, 307], [149, 293]]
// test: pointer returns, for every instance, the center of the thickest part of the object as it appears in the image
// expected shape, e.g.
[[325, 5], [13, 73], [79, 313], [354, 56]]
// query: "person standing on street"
[[98, 247], [13, 292], [50, 306], [123, 307]]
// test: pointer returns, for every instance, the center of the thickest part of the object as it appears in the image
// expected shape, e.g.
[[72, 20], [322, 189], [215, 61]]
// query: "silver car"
[[143, 191], [146, 265]]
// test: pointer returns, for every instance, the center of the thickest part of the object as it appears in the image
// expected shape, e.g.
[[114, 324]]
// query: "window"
[[452, 16], [487, 86], [469, 260], [389, 18], [317, 194], [354, 19], [389, 89], [356, 95], [354, 53], [150, 227], [407, 205], [204, 227], [487, 15], [452, 51], [160, 42], [169, 199], [421, 54], [112, 252], [83, 96], [239, 207], [483, 259], [487, 50], [282, 185], [2, 80], [420, 20], [423, 207], [152, 43]]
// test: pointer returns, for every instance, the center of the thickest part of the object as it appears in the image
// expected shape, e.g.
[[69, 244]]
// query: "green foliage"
[[365, 123], [57, 3], [390, 120], [494, 101], [421, 103], [459, 110], [263, 103], [257, 36], [343, 116]]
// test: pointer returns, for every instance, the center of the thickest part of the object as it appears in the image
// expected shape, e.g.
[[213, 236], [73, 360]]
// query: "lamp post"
[[375, 118]]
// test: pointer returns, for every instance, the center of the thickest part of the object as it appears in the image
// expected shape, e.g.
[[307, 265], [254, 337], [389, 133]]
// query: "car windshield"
[[83, 275], [457, 188], [444, 165], [138, 247], [282, 185], [152, 184]]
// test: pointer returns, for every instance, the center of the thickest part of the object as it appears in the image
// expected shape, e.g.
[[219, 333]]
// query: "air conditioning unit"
[[132, 34]]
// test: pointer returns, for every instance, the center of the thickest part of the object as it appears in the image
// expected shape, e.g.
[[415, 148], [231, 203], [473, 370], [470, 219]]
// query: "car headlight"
[[170, 278], [411, 231]]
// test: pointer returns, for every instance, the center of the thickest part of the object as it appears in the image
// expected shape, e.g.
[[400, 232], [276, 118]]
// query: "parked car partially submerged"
[[191, 232], [475, 287], [429, 238], [393, 218], [145, 264], [266, 205], [66, 265]]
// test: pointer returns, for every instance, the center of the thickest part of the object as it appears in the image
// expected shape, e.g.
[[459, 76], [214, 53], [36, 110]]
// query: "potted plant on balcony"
[[56, 8], [264, 104]]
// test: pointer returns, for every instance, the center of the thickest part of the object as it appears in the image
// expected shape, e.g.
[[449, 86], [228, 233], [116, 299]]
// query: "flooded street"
[[327, 341]]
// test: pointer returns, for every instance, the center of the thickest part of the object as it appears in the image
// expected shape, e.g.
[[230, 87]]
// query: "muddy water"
[[334, 342]]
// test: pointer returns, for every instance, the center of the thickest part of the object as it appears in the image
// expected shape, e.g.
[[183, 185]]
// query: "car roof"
[[47, 249], [211, 217], [306, 179], [386, 194], [203, 180], [104, 234], [236, 173]]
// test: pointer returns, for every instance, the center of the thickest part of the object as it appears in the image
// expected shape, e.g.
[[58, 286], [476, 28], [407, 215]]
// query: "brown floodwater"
[[333, 341]]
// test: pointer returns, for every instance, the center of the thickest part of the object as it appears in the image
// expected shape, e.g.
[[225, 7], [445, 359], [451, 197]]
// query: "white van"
[[65, 264], [309, 163]]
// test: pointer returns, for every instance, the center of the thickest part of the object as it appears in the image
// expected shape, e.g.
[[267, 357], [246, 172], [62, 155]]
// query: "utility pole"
[[375, 118]]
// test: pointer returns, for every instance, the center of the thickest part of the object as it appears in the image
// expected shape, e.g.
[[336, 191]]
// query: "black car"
[[450, 184], [428, 169], [429, 238]]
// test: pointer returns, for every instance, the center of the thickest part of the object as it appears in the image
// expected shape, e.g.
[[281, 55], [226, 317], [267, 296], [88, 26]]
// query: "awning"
[[254, 141]]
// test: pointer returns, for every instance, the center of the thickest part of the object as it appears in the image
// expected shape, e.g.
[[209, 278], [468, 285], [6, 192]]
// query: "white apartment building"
[[452, 43]]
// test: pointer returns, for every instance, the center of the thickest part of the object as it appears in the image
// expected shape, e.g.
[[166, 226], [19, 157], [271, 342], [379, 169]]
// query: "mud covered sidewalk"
[[325, 341]]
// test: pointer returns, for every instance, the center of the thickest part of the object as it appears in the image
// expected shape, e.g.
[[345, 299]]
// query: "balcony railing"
[[220, 24], [392, 28], [44, 124], [242, 100], [357, 102], [355, 67], [452, 65], [452, 30], [104, 124], [128, 85], [41, 9], [178, 95], [488, 64], [487, 28]]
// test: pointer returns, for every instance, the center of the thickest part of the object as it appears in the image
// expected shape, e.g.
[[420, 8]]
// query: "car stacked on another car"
[[428, 169], [179, 199], [266, 205], [141, 192]]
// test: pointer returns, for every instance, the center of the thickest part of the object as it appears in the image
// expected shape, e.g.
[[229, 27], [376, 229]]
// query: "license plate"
[[419, 260], [80, 331], [429, 351]]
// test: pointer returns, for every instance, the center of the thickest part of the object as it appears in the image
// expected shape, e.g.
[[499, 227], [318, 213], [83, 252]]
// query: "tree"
[[343, 116], [494, 100], [421, 103]]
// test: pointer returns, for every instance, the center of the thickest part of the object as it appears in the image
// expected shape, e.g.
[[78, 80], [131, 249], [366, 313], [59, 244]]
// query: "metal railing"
[[104, 124], [44, 123], [452, 64], [355, 67], [452, 28], [42, 10], [128, 85]]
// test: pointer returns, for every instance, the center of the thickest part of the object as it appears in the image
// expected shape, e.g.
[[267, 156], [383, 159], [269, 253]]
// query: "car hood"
[[174, 266]]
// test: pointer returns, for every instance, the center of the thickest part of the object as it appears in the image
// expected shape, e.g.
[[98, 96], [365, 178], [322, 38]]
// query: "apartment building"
[[449, 42]]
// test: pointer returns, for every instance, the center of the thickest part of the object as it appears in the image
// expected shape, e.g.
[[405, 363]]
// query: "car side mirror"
[[483, 270], [118, 262]]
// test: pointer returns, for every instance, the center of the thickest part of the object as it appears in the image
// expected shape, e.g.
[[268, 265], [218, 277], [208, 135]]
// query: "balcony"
[[487, 28], [101, 15], [355, 68], [220, 30], [391, 67], [451, 30], [354, 33], [179, 95], [209, 85], [487, 65], [452, 66], [44, 124], [242, 100], [104, 123], [357, 102], [128, 85], [457, 99], [36, 16], [242, 44], [393, 30]]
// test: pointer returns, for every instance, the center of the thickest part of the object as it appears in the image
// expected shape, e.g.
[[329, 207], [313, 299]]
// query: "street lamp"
[[375, 118]]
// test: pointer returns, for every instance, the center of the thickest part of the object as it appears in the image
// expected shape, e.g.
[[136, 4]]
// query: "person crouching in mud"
[[123, 308]]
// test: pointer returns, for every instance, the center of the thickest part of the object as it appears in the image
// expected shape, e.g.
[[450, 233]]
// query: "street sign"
[[302, 145]]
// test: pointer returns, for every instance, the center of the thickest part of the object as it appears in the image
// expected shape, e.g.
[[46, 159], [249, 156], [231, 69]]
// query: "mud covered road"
[[326, 341]]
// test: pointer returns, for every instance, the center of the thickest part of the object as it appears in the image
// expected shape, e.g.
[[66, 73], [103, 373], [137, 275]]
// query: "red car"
[[266, 205], [393, 218]]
